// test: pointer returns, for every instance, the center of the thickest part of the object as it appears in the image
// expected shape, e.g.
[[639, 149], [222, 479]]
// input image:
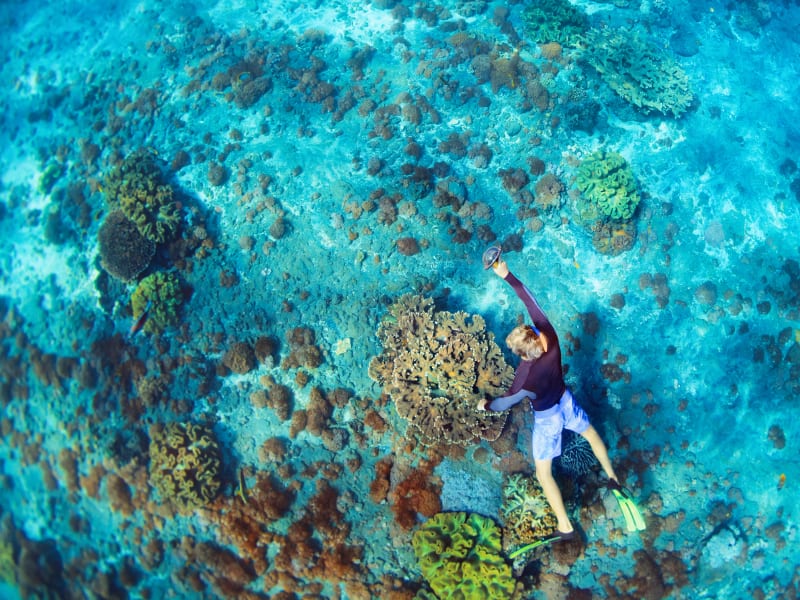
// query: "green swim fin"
[[633, 517], [556, 537]]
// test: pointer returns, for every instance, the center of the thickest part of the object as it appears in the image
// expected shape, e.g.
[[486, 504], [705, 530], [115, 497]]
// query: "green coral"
[[460, 557], [51, 173], [162, 292], [555, 21], [644, 75], [8, 566], [185, 465], [607, 183], [137, 186]]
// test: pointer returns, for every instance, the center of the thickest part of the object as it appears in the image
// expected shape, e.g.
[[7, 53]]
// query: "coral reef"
[[246, 525], [525, 513], [639, 72], [185, 464], [124, 252], [240, 358], [555, 21], [613, 238], [459, 556], [548, 191], [160, 295], [137, 186], [606, 181], [436, 366], [414, 495]]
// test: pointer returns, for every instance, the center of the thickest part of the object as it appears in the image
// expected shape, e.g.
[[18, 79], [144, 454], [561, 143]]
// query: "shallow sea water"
[[324, 159]]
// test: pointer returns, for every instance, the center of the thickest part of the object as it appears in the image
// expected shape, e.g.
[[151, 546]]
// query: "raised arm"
[[534, 310]]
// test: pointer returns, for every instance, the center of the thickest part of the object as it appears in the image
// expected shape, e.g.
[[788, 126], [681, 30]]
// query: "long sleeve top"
[[541, 380]]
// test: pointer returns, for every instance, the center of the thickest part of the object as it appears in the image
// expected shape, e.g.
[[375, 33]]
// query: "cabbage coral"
[[459, 555], [185, 465], [607, 183], [160, 295], [137, 186]]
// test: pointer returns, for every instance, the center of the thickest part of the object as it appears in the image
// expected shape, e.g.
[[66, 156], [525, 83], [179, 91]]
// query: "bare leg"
[[600, 451], [544, 473]]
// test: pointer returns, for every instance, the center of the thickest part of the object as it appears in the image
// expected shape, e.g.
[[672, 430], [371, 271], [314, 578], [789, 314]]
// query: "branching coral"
[[138, 187], [459, 556], [638, 71], [525, 512], [606, 181], [436, 366], [160, 295], [185, 465]]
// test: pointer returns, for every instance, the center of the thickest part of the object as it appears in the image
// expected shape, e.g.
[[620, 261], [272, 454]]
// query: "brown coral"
[[246, 524], [416, 494], [548, 191], [240, 358], [436, 366], [303, 351]]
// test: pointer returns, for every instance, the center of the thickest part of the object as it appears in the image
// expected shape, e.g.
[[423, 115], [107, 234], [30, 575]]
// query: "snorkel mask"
[[491, 256]]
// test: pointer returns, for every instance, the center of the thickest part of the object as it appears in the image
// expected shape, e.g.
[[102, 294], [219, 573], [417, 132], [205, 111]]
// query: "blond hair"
[[524, 342]]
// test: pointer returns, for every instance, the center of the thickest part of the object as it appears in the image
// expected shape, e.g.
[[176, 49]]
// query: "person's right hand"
[[501, 268]]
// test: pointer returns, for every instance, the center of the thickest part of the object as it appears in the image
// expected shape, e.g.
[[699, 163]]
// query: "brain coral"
[[162, 291], [641, 73], [607, 182], [185, 465], [137, 186], [436, 365], [124, 252], [459, 556], [525, 513]]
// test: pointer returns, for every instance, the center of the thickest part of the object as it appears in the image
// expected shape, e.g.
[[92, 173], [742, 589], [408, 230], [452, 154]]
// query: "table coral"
[[525, 513], [137, 186], [163, 291], [606, 181], [436, 366], [459, 556], [639, 72], [185, 465]]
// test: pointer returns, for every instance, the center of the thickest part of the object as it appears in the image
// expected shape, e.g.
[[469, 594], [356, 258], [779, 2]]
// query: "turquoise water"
[[313, 164]]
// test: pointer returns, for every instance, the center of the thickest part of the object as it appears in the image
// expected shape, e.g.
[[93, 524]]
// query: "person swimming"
[[539, 378]]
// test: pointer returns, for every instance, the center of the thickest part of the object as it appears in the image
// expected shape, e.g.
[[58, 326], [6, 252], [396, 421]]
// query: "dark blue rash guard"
[[541, 380]]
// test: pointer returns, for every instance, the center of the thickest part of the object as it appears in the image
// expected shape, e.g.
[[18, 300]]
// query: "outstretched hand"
[[500, 268], [482, 403]]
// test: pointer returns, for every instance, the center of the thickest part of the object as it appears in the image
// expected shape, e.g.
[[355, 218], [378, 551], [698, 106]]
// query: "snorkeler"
[[539, 378]]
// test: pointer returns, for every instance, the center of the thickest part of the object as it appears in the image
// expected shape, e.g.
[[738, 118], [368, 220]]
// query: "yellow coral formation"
[[185, 465], [526, 515], [436, 366], [8, 566]]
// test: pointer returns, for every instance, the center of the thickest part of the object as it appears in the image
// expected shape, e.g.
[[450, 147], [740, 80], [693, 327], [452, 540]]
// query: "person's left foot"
[[561, 536]]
